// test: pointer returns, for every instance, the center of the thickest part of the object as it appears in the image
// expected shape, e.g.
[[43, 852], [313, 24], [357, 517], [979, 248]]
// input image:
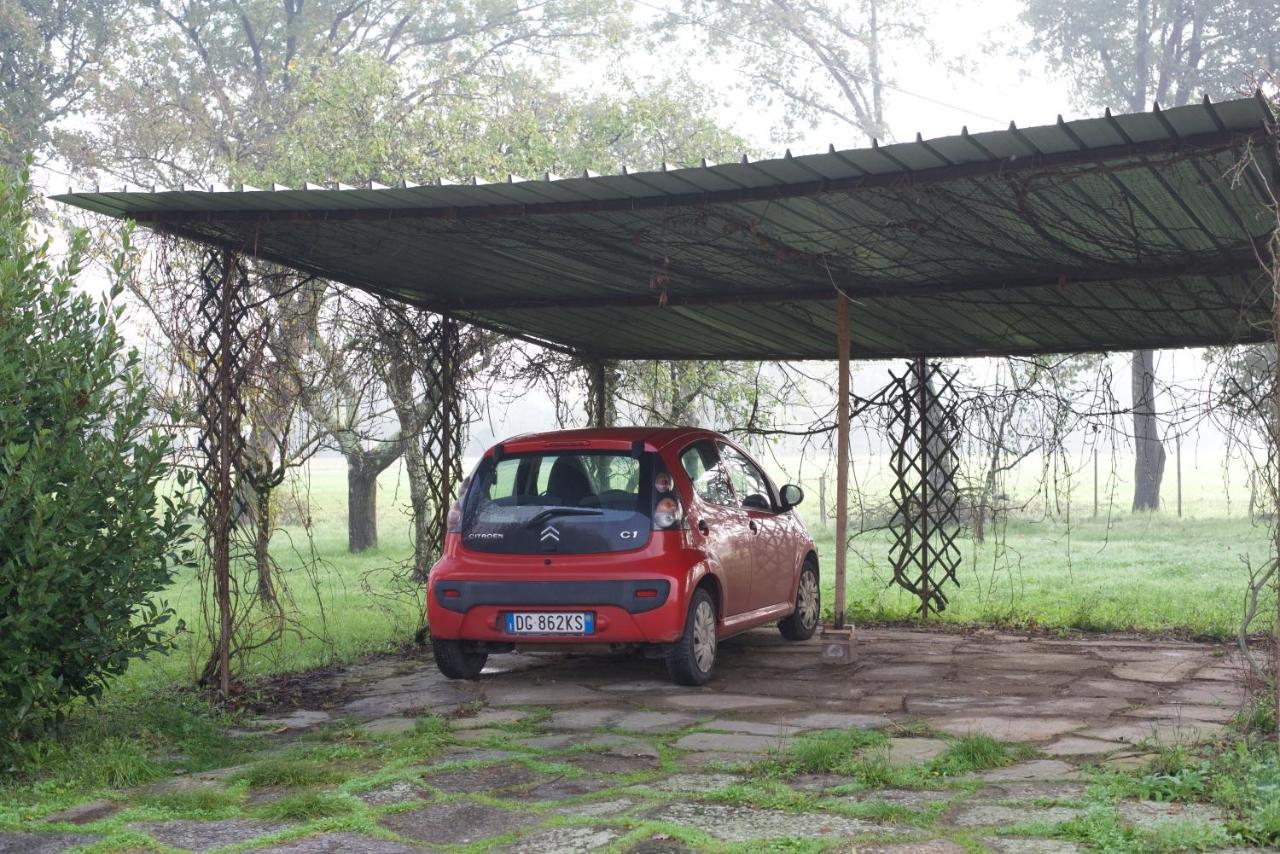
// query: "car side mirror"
[[791, 495]]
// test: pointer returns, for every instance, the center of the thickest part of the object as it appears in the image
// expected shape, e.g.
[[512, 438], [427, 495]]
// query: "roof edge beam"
[[896, 178], [1243, 262]]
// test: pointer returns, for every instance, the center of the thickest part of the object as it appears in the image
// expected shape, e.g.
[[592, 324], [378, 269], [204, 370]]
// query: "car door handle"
[[754, 528], [703, 527]]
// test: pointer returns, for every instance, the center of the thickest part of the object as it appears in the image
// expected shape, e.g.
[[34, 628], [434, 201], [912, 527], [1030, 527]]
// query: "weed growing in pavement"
[[829, 752], [203, 802], [290, 772], [976, 753], [303, 806]]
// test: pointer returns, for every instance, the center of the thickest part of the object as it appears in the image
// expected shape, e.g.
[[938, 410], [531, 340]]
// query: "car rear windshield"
[[560, 501]]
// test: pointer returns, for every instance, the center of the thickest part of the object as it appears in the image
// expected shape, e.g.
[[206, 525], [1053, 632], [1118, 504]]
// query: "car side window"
[[748, 481], [710, 481]]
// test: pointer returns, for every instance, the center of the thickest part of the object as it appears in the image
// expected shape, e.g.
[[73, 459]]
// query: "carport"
[[1144, 231]]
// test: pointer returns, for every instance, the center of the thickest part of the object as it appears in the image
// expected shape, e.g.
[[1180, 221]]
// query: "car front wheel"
[[456, 660], [803, 621], [691, 658]]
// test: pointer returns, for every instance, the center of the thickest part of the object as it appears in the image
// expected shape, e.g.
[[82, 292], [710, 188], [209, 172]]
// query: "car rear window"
[[561, 501]]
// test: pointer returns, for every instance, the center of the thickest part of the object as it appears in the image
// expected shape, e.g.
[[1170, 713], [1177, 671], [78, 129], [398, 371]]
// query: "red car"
[[671, 539]]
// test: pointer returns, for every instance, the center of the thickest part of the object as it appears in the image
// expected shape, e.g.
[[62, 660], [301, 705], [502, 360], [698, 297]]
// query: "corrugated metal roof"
[[1110, 233]]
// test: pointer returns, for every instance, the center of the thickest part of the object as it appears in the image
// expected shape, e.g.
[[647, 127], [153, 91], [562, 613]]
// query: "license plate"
[[551, 623]]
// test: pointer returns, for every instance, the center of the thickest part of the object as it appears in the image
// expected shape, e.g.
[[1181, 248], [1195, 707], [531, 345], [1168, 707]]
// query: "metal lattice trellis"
[[224, 348], [443, 428], [926, 519]]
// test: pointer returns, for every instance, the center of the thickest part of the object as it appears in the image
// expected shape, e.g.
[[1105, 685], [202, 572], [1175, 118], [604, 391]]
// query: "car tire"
[[803, 621], [456, 661], [691, 659]]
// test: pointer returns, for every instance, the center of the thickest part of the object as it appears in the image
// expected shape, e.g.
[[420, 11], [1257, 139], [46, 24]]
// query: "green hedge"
[[86, 538]]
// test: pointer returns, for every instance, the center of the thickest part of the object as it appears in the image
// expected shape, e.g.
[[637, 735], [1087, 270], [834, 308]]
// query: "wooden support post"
[[1095, 474], [599, 394], [837, 642], [822, 499], [842, 456], [1177, 453], [921, 369], [224, 468], [448, 349]]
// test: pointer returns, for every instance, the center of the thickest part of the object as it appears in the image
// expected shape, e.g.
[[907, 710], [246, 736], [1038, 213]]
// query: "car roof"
[[657, 437]]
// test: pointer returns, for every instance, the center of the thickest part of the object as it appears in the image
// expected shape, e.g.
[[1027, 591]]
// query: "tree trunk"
[[261, 546], [1149, 456], [362, 504]]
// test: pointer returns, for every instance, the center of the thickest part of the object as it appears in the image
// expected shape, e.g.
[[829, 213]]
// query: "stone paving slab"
[[654, 722], [910, 798], [564, 788], [659, 844], [605, 763], [694, 783], [743, 824], [486, 778], [1149, 815], [712, 702], [775, 730], [729, 741], [1032, 790], [399, 792], [1028, 845], [929, 846], [207, 835], [1072, 745], [1011, 728], [599, 809], [1164, 732], [564, 840], [839, 720], [42, 843], [340, 842], [388, 726], [719, 759], [909, 750], [488, 718], [301, 719], [457, 822], [1000, 815], [1035, 769], [469, 736], [85, 813], [1184, 712]]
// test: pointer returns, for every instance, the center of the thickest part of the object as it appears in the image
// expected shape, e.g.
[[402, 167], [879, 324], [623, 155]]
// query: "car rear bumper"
[[626, 610]]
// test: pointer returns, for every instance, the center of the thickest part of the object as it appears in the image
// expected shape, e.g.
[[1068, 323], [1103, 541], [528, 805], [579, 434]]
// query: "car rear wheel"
[[692, 658], [456, 661], [803, 621]]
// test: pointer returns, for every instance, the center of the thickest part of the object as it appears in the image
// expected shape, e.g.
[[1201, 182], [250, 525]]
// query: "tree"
[[359, 121], [89, 535], [207, 86], [1131, 53], [215, 91], [51, 53], [825, 60]]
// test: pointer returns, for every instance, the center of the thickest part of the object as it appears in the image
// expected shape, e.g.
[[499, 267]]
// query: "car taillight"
[[663, 482], [666, 513]]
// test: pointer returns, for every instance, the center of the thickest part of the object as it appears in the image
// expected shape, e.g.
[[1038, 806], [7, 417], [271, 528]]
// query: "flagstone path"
[[564, 753]]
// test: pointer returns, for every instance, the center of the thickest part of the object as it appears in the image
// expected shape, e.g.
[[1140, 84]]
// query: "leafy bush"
[[86, 538]]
